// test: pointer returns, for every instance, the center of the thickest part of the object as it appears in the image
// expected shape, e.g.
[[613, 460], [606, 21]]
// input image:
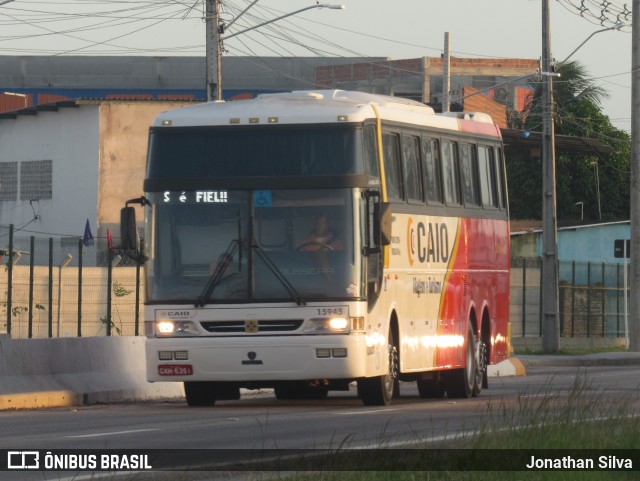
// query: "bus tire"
[[480, 380], [460, 383], [200, 393], [379, 390]]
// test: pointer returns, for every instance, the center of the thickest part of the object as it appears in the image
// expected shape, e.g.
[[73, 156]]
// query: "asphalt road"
[[259, 421]]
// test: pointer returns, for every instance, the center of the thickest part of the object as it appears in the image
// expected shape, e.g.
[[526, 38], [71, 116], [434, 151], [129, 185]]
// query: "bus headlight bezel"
[[169, 328], [327, 325]]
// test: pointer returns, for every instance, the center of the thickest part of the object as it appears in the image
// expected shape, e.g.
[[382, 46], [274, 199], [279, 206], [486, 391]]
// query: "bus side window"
[[487, 172], [500, 183], [469, 169], [371, 151], [450, 173], [411, 164], [392, 170], [432, 170]]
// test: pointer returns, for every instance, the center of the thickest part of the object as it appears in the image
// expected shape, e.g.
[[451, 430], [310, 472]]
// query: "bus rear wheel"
[[460, 383], [379, 390]]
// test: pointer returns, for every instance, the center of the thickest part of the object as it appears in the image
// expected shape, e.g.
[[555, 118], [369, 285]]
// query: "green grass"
[[582, 418]]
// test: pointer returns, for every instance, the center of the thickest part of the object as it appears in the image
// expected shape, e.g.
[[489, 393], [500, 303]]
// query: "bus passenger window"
[[469, 174], [433, 181], [392, 171], [371, 151], [411, 164], [500, 184], [486, 170], [450, 173]]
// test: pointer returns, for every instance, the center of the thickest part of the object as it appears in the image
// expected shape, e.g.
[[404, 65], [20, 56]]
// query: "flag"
[[109, 241], [88, 236]]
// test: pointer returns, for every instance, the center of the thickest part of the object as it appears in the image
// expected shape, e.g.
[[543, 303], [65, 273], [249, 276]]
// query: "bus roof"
[[324, 106]]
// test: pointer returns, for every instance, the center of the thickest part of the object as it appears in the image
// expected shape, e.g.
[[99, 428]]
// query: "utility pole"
[[214, 51], [550, 324], [446, 75], [634, 308]]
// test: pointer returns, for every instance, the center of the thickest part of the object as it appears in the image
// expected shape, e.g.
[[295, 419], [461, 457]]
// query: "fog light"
[[165, 355], [181, 355], [323, 352], [339, 352]]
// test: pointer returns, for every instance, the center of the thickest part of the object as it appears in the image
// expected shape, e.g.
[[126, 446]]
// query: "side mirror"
[[385, 223], [128, 229]]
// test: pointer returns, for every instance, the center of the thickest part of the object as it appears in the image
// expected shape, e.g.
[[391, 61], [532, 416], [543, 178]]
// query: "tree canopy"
[[596, 186]]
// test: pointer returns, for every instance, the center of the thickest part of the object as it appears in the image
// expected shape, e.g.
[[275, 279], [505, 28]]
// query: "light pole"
[[215, 37], [549, 279], [63, 264], [617, 26]]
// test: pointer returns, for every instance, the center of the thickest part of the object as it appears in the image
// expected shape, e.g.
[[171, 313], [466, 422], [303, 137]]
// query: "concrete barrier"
[[61, 372], [74, 371]]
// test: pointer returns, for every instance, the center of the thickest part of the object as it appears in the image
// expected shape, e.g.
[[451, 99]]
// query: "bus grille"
[[271, 325]]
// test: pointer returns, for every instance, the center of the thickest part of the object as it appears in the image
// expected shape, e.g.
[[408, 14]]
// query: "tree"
[[580, 177]]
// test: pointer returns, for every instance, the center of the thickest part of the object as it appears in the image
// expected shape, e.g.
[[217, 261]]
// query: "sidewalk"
[[593, 359]]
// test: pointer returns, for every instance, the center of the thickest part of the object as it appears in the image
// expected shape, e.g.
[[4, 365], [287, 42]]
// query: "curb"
[[510, 367]]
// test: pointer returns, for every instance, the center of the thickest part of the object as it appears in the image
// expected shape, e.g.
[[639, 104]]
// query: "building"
[[66, 162]]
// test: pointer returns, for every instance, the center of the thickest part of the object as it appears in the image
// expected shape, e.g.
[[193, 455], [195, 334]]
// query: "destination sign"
[[196, 197]]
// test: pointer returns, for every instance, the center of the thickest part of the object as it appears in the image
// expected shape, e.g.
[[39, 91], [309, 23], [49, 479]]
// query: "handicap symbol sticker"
[[262, 198]]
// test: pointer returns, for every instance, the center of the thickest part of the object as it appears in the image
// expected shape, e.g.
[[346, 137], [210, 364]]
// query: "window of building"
[[36, 179], [8, 181]]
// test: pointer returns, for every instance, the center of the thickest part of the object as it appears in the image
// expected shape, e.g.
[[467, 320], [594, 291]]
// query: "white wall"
[[69, 138]]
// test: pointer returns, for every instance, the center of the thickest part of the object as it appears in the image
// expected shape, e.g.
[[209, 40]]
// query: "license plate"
[[175, 370]]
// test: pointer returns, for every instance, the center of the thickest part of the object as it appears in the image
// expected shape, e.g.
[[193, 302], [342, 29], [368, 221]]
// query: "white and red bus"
[[304, 241]]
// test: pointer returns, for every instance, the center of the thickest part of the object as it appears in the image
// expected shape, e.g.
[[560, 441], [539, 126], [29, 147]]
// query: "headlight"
[[175, 328], [329, 325]]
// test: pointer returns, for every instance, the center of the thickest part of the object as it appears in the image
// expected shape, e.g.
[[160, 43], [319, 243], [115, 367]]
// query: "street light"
[[215, 35], [617, 26]]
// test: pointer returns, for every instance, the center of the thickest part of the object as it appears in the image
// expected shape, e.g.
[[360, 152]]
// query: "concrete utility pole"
[[214, 51], [550, 324], [634, 308], [446, 75]]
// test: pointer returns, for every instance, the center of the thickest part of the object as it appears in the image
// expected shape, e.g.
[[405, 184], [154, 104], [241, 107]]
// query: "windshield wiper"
[[218, 273], [276, 272]]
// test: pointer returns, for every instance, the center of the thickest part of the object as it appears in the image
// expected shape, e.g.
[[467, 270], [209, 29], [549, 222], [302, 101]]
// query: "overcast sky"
[[400, 29]]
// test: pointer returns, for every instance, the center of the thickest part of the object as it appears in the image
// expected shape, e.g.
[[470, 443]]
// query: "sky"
[[397, 30]]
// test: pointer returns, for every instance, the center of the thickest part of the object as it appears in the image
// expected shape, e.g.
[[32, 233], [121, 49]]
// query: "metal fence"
[[591, 298], [62, 287]]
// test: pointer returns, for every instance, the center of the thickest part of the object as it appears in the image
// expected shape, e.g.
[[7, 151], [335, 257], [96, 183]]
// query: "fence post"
[[588, 299], [618, 300], [79, 287], [50, 287], [137, 308], [602, 302], [109, 282], [524, 297], [10, 280], [573, 298], [32, 263], [540, 300]]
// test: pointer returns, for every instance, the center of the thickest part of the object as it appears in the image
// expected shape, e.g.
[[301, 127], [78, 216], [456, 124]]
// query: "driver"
[[321, 237]]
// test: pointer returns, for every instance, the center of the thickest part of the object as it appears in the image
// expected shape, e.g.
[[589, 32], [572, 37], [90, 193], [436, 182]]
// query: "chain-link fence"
[[591, 298]]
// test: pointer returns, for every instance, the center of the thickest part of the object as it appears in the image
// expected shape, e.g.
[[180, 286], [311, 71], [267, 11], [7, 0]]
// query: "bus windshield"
[[211, 247]]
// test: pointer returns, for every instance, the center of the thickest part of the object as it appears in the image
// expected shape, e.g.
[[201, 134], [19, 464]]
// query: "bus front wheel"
[[379, 390]]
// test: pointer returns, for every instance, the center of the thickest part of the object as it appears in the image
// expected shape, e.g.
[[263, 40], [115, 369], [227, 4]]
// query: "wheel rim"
[[391, 377]]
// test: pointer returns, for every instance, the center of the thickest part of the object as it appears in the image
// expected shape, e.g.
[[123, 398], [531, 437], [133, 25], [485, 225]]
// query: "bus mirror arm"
[[142, 200]]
